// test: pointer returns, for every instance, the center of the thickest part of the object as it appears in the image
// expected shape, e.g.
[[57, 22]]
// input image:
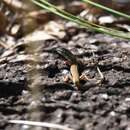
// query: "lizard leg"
[[86, 78]]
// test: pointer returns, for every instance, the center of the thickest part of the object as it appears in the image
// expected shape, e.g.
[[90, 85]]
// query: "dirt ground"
[[104, 106]]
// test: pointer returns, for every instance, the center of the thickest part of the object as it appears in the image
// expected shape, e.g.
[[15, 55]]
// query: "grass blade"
[[107, 9], [84, 23]]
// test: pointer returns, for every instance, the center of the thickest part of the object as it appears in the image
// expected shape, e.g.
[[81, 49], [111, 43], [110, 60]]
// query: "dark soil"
[[104, 106]]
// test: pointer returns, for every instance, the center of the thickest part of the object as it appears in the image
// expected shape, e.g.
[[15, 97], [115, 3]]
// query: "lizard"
[[74, 66]]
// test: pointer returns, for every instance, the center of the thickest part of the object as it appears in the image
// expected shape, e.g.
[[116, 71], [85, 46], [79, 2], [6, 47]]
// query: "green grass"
[[107, 9], [81, 22]]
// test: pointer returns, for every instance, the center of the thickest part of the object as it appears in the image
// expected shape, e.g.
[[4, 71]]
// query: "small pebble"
[[128, 128], [127, 99], [25, 127], [116, 59], [106, 19], [104, 96], [65, 72], [112, 113], [24, 92]]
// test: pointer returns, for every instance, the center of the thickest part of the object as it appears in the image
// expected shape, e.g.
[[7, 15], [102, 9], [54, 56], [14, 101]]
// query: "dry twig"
[[39, 124]]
